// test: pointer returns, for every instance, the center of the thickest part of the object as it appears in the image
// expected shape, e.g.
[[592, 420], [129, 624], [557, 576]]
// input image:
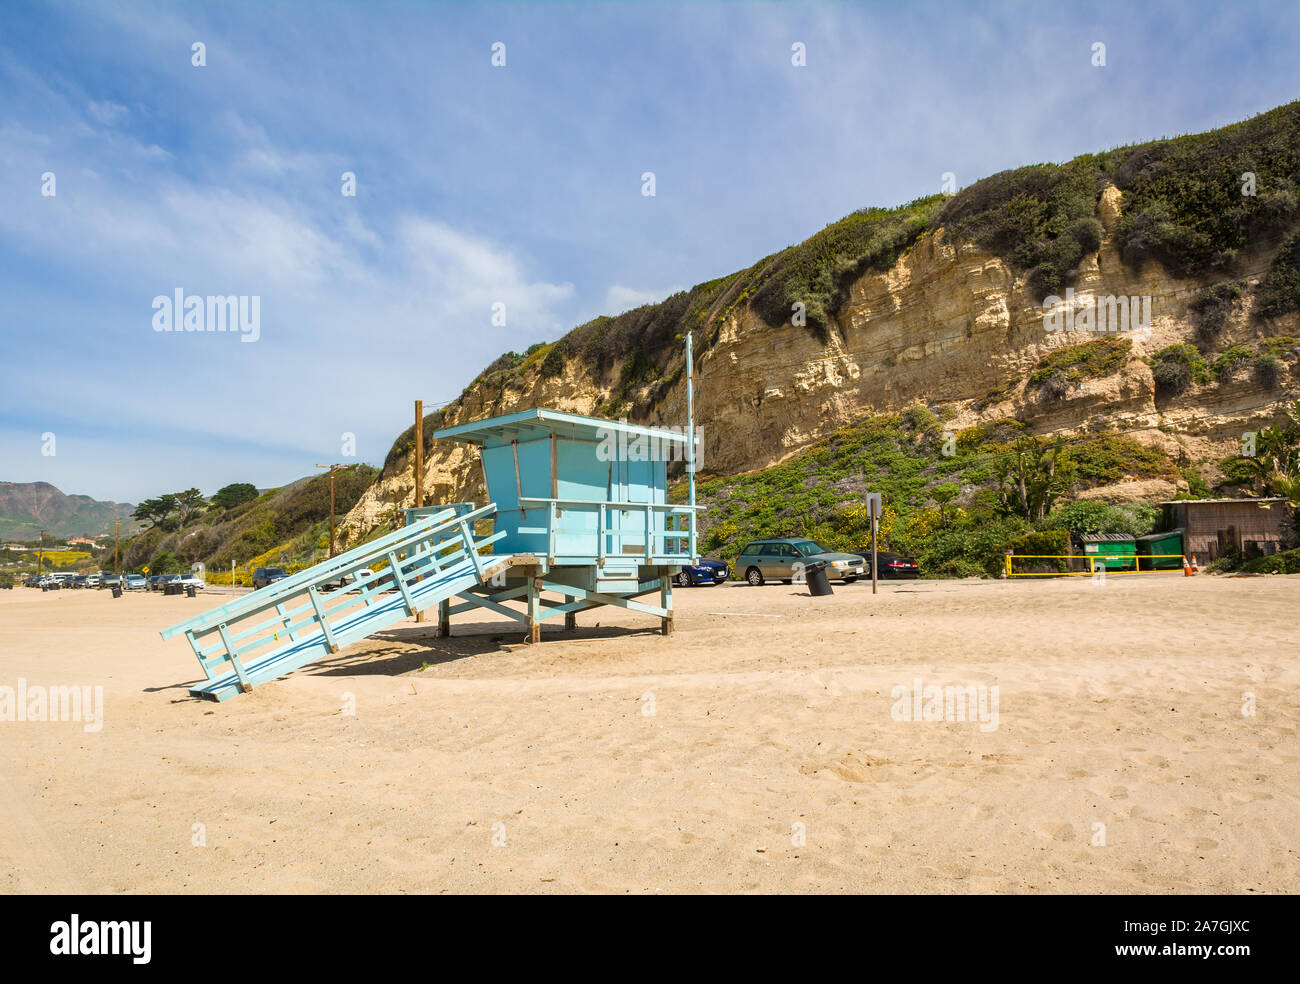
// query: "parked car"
[[165, 579], [265, 575], [109, 580], [135, 582], [705, 572], [892, 564], [154, 581], [192, 580], [33, 582], [79, 581], [347, 580], [777, 558], [92, 581]]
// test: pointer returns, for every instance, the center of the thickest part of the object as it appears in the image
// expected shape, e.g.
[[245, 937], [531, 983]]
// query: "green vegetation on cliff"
[[819, 492]]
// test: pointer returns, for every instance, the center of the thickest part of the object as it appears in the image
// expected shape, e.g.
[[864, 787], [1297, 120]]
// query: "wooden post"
[[419, 454], [570, 618], [534, 609], [666, 602], [444, 618]]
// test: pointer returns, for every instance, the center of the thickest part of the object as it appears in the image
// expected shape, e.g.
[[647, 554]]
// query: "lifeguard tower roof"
[[527, 425]]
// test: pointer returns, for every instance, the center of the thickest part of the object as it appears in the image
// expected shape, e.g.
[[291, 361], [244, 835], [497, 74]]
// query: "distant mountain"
[[27, 507]]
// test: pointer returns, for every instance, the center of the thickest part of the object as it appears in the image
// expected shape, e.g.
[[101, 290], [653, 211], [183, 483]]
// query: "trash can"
[[818, 583], [117, 591], [189, 591]]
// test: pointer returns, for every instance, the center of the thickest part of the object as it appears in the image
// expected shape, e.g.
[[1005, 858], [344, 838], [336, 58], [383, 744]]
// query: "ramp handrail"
[[329, 570], [437, 552]]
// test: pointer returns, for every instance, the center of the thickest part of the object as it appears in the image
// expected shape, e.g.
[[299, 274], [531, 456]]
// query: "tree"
[[1032, 477], [235, 494], [156, 512], [943, 494], [188, 504], [165, 562]]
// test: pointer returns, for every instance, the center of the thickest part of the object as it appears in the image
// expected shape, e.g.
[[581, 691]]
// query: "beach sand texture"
[[742, 754]]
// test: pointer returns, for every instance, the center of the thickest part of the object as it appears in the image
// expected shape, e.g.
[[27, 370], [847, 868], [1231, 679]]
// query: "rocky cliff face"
[[947, 325]]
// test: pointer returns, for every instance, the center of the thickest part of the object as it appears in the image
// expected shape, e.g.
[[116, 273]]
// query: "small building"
[[1213, 528]]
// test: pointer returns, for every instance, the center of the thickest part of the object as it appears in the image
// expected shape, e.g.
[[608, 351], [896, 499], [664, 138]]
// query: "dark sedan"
[[705, 572], [892, 564]]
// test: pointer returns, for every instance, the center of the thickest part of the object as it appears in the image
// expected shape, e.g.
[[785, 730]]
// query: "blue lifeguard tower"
[[579, 518]]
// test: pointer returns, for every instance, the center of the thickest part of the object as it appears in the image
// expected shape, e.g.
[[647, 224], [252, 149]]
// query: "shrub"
[[1172, 377], [1183, 201], [554, 361], [1041, 219], [1056, 386], [1279, 291], [1226, 364], [1091, 359], [1287, 562], [1176, 367], [1211, 307], [1269, 371], [815, 273], [1085, 517]]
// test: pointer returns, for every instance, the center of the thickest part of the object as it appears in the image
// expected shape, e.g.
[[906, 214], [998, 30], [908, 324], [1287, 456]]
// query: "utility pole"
[[419, 453], [331, 468], [40, 554], [117, 526]]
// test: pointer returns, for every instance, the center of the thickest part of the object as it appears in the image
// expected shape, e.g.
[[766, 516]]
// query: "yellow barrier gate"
[[1095, 563]]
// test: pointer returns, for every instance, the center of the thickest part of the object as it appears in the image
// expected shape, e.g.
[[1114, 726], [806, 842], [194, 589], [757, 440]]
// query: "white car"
[[191, 581]]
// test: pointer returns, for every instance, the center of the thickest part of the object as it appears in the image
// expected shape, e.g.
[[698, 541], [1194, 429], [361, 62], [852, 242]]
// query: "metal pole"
[[117, 525], [690, 437], [874, 565]]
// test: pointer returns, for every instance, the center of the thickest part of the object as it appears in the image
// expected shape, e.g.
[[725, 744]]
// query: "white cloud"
[[461, 276], [107, 113]]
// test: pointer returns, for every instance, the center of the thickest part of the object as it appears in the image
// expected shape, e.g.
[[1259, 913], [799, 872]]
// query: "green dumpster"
[[1161, 551], [1116, 550]]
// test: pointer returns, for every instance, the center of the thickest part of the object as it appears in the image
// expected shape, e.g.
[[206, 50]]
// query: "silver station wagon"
[[784, 559]]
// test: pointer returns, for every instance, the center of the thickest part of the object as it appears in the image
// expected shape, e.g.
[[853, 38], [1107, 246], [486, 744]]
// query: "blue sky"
[[479, 184]]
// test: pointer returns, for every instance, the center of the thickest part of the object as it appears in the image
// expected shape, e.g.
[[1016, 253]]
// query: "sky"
[[495, 205]]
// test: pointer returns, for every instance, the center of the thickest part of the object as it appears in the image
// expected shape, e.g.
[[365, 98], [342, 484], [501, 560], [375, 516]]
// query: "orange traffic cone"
[[1187, 568], [1195, 569]]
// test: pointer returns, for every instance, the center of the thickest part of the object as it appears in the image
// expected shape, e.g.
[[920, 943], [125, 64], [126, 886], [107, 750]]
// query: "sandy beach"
[[758, 749]]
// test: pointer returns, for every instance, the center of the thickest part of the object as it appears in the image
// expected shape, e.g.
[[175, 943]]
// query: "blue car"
[[705, 572]]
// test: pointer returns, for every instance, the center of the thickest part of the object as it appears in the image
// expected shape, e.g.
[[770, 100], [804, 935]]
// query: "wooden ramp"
[[291, 622]]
